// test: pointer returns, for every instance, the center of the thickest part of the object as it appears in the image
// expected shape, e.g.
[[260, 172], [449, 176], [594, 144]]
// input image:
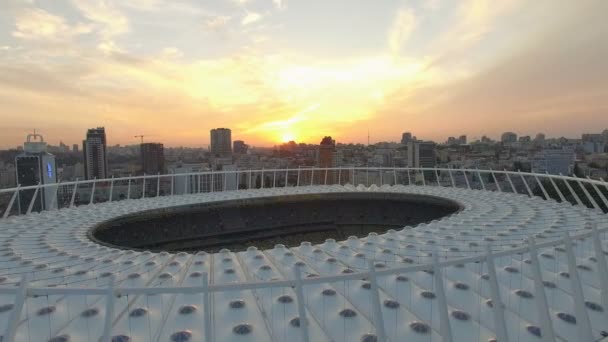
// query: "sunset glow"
[[275, 71], [287, 137]]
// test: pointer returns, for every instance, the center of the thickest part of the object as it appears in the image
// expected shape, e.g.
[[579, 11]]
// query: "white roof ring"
[[253, 294]]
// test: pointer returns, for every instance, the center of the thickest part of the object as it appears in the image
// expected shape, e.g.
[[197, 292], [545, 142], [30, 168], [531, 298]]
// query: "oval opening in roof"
[[267, 221]]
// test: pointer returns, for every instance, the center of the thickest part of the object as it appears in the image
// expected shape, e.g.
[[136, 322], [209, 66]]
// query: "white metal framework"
[[525, 260]]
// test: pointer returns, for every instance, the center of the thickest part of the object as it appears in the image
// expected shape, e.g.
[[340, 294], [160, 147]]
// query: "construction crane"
[[141, 136]]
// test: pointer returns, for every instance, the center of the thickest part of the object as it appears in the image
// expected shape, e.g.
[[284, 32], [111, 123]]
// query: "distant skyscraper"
[[36, 166], [421, 154], [221, 142], [75, 148], [508, 138], [462, 140], [540, 137], [239, 147], [592, 137], [95, 154], [63, 147], [406, 138], [327, 150], [152, 158]]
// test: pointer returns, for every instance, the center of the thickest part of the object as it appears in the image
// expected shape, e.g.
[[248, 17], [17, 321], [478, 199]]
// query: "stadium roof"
[[254, 294]]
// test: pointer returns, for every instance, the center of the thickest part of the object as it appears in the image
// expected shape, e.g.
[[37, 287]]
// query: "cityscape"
[[37, 163], [97, 158]]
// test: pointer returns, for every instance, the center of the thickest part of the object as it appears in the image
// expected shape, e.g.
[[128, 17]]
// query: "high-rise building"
[[539, 140], [239, 147], [593, 143], [327, 149], [406, 138], [540, 137], [152, 158], [8, 176], [94, 149], [35, 166], [554, 162], [462, 140], [75, 148], [508, 138], [421, 154], [63, 148], [185, 182], [592, 137], [221, 142]]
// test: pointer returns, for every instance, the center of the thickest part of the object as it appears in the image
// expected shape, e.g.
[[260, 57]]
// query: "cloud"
[[164, 6], [15, 4], [402, 28], [216, 22], [557, 83], [259, 39], [110, 20], [279, 4], [108, 47], [36, 80], [478, 17], [251, 18], [432, 5], [145, 5], [37, 24], [172, 53], [473, 21], [482, 67], [277, 125]]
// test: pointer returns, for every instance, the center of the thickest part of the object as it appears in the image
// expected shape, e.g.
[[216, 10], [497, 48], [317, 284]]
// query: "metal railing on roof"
[[26, 199]]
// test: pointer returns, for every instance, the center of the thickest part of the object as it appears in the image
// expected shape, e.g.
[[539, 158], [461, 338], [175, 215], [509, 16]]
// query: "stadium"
[[315, 254]]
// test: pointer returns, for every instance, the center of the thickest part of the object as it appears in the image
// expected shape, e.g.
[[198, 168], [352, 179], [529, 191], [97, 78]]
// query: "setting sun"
[[287, 137]]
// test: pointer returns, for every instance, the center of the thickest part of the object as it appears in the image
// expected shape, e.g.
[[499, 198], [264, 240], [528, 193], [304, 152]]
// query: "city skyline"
[[175, 70], [58, 141]]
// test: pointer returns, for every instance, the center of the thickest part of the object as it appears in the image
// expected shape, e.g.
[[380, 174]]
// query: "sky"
[[277, 70]]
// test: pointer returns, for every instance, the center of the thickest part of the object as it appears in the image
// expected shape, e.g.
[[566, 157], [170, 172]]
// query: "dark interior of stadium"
[[266, 221]]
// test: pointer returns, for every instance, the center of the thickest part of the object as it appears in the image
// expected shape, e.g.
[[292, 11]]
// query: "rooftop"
[[423, 282]]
